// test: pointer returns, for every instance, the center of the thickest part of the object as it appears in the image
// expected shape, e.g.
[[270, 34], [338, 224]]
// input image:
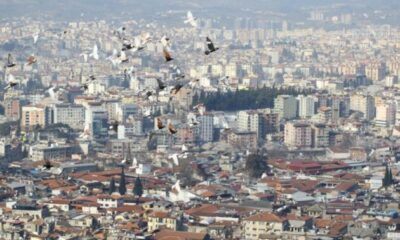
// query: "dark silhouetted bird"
[[210, 46], [161, 84], [10, 61], [176, 89], [47, 165]]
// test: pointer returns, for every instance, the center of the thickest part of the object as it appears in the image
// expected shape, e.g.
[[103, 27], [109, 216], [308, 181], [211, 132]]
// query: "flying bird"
[[184, 148], [146, 38], [120, 32], [175, 158], [176, 186], [193, 122], [176, 89], [167, 55], [160, 124], [31, 60], [54, 92], [10, 61], [91, 78], [147, 94], [35, 38], [193, 83], [190, 19], [161, 84], [11, 82], [165, 41], [95, 53], [171, 129], [85, 86], [199, 108], [47, 165], [126, 45], [178, 74], [210, 46]]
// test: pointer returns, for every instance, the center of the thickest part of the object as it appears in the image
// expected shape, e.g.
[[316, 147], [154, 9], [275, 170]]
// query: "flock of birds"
[[121, 57]]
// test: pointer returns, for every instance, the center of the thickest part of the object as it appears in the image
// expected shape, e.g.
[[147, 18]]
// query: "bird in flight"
[[190, 19], [35, 38], [95, 52], [31, 60], [120, 32], [171, 129], [210, 46], [10, 61], [161, 84], [47, 165], [167, 55], [176, 89], [178, 74], [165, 41], [160, 124], [11, 82]]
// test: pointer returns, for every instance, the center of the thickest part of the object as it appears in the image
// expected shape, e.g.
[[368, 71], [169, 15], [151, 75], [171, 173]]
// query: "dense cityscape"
[[191, 126]]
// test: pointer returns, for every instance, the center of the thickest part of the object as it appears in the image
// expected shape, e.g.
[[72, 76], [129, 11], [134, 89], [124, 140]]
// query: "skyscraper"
[[250, 121], [306, 106], [364, 104], [70, 114], [286, 106], [96, 118], [206, 128]]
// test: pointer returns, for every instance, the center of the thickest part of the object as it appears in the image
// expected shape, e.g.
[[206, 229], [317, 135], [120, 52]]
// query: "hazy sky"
[[72, 9]]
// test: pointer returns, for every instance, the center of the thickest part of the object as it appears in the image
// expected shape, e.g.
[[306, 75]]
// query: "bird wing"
[[95, 53], [11, 78], [160, 83], [159, 123], [164, 41], [35, 38], [146, 38], [190, 15], [137, 41], [193, 23], [184, 148], [10, 59], [167, 55], [210, 44]]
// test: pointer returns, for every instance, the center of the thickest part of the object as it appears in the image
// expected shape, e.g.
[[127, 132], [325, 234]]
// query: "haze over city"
[[199, 120]]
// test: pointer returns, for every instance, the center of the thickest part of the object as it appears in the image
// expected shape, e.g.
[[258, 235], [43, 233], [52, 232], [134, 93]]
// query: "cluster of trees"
[[388, 178], [137, 189], [256, 165], [5, 128], [245, 99]]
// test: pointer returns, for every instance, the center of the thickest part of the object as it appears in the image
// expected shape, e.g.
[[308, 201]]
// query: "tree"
[[122, 183], [112, 186], [388, 178], [185, 174], [256, 165], [138, 188], [246, 99]]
